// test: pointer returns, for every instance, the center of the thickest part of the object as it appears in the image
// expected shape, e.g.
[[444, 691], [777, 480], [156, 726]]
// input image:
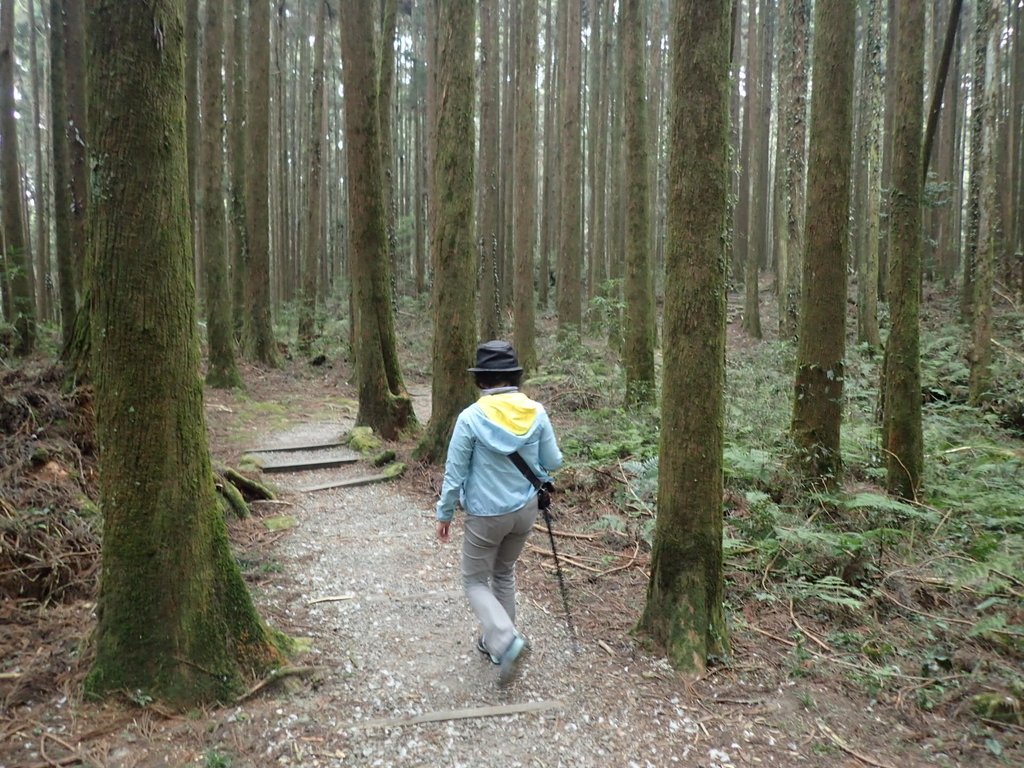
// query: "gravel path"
[[396, 641]]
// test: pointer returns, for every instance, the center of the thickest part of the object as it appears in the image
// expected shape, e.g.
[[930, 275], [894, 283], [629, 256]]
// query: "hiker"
[[500, 502]]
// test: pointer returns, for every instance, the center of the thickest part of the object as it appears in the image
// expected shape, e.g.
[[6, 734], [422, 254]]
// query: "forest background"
[[514, 170]]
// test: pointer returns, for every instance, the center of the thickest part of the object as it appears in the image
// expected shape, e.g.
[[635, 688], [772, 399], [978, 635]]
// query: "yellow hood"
[[513, 411]]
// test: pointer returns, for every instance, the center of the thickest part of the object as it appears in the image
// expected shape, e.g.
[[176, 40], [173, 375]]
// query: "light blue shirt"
[[478, 472]]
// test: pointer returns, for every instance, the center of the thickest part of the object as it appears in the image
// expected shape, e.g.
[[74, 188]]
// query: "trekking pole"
[[562, 588]]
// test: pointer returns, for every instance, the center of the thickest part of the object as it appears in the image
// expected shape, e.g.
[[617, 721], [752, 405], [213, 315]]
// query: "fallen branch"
[[564, 534], [331, 599], [821, 644], [459, 714], [273, 677], [850, 750]]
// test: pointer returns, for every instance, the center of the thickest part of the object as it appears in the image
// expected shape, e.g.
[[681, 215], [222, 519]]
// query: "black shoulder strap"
[[523, 467]]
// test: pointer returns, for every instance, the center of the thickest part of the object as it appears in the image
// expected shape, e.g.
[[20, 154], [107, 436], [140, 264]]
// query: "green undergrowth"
[[917, 603]]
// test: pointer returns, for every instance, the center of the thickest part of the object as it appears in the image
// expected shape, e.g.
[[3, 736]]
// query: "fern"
[[828, 589]]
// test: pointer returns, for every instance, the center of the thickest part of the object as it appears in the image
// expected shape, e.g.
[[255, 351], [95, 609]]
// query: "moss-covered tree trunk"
[[902, 371], [818, 407], [259, 341], [977, 127], [222, 370], [236, 168], [175, 618], [314, 189], [638, 325], [384, 404], [18, 262], [570, 233], [452, 240], [756, 128], [525, 167], [684, 612]]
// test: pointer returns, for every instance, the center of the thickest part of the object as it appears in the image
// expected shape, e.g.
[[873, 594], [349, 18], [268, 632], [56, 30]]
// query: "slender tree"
[[259, 335], [638, 330], [867, 271], [452, 239], [902, 368], [817, 409], [222, 370], [18, 264], [756, 135], [41, 192], [384, 404], [683, 612], [977, 126], [314, 187], [487, 228], [796, 27], [570, 239], [175, 618], [525, 211], [980, 356], [237, 181], [66, 278]]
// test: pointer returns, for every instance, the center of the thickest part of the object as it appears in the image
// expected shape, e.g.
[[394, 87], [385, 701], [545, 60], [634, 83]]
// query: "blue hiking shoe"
[[483, 649], [514, 655]]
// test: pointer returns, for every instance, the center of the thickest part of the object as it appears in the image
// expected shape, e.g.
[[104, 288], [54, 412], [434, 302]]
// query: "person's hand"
[[444, 531]]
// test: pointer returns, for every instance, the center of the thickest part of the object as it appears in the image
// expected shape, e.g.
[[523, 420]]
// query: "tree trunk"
[[977, 164], [867, 271], [79, 351], [487, 233], [759, 95], [175, 618], [902, 368], [222, 370], [386, 79], [525, 211], [980, 356], [312, 251], [67, 281], [192, 130], [683, 611], [452, 243], [259, 334], [638, 330], [384, 404], [594, 119], [549, 194], [741, 214], [796, 25], [570, 239], [18, 264], [40, 193], [817, 410], [237, 181]]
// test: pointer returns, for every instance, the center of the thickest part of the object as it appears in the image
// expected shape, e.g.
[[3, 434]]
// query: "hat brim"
[[517, 369]]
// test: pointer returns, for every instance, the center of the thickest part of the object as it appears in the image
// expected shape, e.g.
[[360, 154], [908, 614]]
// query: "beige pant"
[[490, 548]]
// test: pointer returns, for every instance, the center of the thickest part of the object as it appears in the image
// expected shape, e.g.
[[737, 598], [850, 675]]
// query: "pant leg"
[[481, 540], [503, 578]]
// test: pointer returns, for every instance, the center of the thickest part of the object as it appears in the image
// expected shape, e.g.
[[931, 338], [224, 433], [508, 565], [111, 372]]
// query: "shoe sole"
[[511, 664]]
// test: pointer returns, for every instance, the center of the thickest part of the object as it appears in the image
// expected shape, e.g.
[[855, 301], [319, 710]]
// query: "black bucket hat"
[[496, 357]]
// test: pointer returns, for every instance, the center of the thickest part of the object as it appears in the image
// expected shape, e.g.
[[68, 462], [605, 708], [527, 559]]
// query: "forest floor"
[[389, 674]]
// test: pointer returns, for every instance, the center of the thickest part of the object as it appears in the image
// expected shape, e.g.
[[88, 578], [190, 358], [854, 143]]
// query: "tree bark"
[[17, 262], [384, 405], [638, 327], [817, 410], [570, 239], [259, 333], [222, 370], [175, 618], [980, 356], [237, 181], [452, 243], [312, 251], [902, 368], [487, 233], [867, 272], [967, 292], [67, 281], [683, 611], [525, 211]]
